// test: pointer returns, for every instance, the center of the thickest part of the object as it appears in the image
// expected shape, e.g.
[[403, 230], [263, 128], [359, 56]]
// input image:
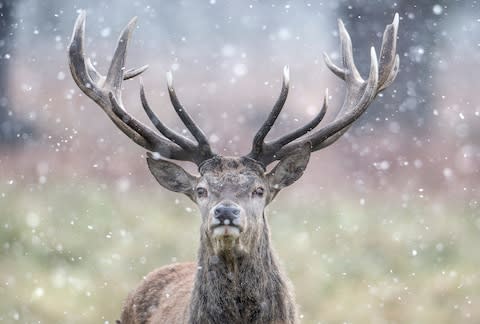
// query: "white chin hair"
[[226, 231]]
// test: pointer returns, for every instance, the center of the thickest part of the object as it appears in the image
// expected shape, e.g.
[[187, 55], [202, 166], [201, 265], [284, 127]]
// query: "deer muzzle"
[[226, 220]]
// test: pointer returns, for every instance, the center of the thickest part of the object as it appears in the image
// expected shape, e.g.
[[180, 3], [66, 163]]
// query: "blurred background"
[[383, 228]]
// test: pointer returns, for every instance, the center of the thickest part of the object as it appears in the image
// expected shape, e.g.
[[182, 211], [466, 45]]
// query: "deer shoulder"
[[162, 296]]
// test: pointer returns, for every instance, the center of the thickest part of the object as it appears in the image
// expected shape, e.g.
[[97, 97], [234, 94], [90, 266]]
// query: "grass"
[[70, 253]]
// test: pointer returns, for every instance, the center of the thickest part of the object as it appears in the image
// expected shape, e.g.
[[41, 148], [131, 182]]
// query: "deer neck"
[[240, 287]]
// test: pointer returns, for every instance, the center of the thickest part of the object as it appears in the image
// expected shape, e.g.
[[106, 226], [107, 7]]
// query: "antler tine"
[[131, 73], [115, 72], [388, 59], [351, 72], [96, 76], [339, 72], [182, 141], [155, 142], [259, 138], [359, 94], [270, 149], [393, 73], [92, 71], [82, 73], [284, 140], [106, 92], [202, 140]]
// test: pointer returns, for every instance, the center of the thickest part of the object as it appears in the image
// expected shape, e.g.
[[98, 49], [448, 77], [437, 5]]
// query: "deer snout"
[[226, 221], [226, 214]]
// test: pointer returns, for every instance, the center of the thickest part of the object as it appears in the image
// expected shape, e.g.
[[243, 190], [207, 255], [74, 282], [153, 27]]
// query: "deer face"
[[231, 193]]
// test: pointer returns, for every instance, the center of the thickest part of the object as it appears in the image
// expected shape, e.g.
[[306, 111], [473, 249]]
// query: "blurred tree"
[[11, 129]]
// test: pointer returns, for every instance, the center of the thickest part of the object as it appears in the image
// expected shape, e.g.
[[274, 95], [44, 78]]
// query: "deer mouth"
[[225, 237], [226, 231]]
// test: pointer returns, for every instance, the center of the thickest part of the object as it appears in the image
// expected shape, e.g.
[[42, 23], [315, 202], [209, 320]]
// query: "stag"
[[237, 277]]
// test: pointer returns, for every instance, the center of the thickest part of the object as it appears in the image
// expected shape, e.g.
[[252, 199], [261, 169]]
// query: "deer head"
[[232, 192]]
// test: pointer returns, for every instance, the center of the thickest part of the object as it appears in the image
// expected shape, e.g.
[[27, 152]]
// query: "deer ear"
[[288, 170], [171, 176]]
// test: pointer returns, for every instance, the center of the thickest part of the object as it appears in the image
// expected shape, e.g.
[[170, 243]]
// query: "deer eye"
[[258, 192], [202, 192]]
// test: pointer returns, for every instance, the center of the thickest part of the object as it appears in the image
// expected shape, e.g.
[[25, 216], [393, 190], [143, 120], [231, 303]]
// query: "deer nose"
[[226, 214]]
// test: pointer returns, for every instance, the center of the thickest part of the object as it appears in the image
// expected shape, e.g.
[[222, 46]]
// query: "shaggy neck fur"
[[237, 287]]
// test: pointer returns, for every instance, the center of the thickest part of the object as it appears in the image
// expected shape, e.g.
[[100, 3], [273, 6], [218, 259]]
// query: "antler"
[[359, 95], [106, 91]]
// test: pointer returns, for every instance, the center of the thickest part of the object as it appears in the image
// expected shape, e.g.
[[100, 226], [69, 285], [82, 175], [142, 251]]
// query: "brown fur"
[[162, 296]]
